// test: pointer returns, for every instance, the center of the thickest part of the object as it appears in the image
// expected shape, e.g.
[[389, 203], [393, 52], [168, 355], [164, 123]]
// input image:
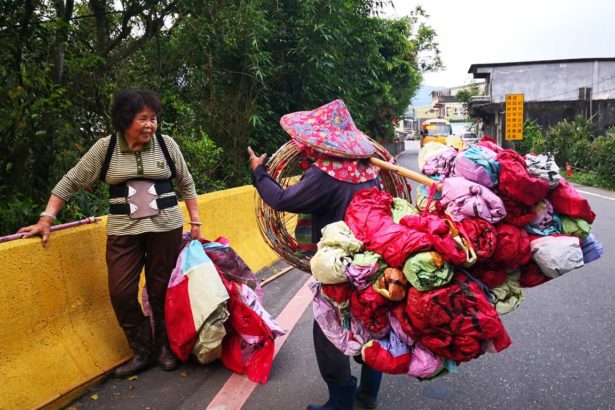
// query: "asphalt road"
[[561, 356]]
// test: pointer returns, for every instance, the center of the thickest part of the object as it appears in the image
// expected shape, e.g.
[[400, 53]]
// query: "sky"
[[496, 31]]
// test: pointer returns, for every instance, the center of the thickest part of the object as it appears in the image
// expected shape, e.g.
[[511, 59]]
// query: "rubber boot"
[[140, 340], [367, 393], [341, 397], [166, 358]]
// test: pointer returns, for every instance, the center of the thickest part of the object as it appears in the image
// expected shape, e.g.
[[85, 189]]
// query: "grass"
[[589, 179]]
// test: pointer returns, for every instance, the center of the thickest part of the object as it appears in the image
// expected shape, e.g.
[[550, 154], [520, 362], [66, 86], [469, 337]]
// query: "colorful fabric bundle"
[[195, 293], [546, 222], [465, 199], [513, 248], [455, 321], [509, 295], [517, 182], [371, 308], [557, 255], [334, 254], [365, 269], [441, 163], [592, 248], [517, 213], [387, 355], [575, 227], [478, 164], [567, 201], [543, 167], [392, 284], [531, 275], [482, 236], [427, 270], [369, 218]]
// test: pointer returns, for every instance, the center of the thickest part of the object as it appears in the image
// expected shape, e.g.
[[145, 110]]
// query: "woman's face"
[[143, 127]]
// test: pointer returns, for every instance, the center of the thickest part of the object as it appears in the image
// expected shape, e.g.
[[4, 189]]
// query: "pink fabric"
[[441, 163], [463, 198], [329, 129]]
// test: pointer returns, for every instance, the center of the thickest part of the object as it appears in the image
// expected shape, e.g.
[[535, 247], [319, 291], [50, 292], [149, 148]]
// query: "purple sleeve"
[[306, 196]]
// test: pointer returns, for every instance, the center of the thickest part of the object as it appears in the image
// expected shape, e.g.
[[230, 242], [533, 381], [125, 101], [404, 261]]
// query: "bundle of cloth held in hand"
[[418, 291], [213, 311]]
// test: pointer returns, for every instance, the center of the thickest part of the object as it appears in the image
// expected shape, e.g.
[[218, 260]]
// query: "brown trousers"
[[126, 256]]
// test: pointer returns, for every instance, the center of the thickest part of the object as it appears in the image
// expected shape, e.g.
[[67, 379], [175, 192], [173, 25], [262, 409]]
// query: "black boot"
[[140, 340], [166, 358], [341, 397], [367, 393]]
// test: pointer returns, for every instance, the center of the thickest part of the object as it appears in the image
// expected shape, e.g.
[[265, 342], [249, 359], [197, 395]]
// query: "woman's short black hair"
[[128, 103]]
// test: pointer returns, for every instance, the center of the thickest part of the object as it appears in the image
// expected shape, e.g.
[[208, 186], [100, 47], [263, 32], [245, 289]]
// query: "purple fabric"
[[478, 164], [463, 198], [592, 248], [442, 163], [544, 215], [330, 322], [399, 332], [360, 276], [394, 346], [424, 363], [317, 193]]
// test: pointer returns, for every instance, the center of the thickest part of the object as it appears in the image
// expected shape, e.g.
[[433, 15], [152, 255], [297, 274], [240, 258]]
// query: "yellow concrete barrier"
[[58, 330]]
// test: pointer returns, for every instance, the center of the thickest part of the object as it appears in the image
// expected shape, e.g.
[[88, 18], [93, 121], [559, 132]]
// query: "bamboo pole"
[[404, 172]]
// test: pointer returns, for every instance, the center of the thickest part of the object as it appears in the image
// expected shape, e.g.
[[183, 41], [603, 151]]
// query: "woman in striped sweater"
[[144, 227]]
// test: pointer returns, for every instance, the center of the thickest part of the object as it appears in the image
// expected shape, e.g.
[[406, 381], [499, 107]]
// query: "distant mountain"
[[423, 95]]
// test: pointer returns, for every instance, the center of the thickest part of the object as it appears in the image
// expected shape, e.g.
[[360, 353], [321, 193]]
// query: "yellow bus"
[[435, 130]]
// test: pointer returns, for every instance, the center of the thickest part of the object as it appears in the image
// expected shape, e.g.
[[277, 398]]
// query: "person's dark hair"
[[128, 103]]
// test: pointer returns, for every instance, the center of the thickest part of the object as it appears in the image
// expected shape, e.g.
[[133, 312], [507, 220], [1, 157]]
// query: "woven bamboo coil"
[[277, 228]]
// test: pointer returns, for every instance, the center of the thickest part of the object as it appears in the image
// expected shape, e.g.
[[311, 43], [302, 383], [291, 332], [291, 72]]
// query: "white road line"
[[598, 195]]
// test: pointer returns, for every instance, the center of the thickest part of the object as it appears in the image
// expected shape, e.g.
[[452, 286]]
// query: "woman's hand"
[[42, 228], [255, 161], [195, 232]]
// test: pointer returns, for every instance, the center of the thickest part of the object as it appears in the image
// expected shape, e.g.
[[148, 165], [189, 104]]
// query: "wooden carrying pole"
[[404, 172]]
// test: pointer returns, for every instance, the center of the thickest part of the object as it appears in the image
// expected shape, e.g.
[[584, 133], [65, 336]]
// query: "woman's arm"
[[43, 226], [193, 211]]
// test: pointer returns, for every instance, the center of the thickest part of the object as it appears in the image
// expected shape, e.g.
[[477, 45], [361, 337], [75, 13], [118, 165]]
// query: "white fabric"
[[556, 255]]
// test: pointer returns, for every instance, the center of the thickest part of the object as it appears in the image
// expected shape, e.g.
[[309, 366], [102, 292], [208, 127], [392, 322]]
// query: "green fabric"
[[401, 208], [425, 273], [575, 227], [508, 295], [335, 251], [368, 258]]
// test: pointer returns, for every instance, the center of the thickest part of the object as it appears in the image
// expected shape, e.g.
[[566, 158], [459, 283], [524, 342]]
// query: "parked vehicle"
[[435, 130], [469, 137]]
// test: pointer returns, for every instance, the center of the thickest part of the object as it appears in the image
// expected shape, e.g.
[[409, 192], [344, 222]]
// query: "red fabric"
[[371, 309], [513, 248], [369, 217], [515, 181], [455, 321], [248, 345], [338, 293], [491, 274], [531, 275], [179, 320], [438, 234], [566, 200], [490, 143], [379, 358], [482, 235], [517, 213]]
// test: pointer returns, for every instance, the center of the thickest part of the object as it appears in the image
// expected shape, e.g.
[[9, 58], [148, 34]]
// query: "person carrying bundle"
[[340, 167]]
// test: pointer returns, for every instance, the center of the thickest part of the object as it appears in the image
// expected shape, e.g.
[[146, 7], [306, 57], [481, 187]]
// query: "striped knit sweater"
[[149, 163]]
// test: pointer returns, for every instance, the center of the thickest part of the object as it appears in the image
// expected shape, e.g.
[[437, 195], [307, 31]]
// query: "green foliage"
[[562, 137], [533, 139], [225, 70]]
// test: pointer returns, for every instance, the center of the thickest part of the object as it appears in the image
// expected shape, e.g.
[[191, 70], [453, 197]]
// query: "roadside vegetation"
[[226, 72], [577, 143]]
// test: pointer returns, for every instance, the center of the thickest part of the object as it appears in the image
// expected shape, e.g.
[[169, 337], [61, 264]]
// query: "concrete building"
[[553, 90]]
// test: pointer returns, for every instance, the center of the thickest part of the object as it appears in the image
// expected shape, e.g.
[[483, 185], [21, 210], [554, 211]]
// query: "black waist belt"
[[121, 190], [124, 209]]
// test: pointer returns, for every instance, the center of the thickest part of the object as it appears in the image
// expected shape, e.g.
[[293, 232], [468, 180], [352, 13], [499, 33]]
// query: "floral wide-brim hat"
[[330, 130]]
